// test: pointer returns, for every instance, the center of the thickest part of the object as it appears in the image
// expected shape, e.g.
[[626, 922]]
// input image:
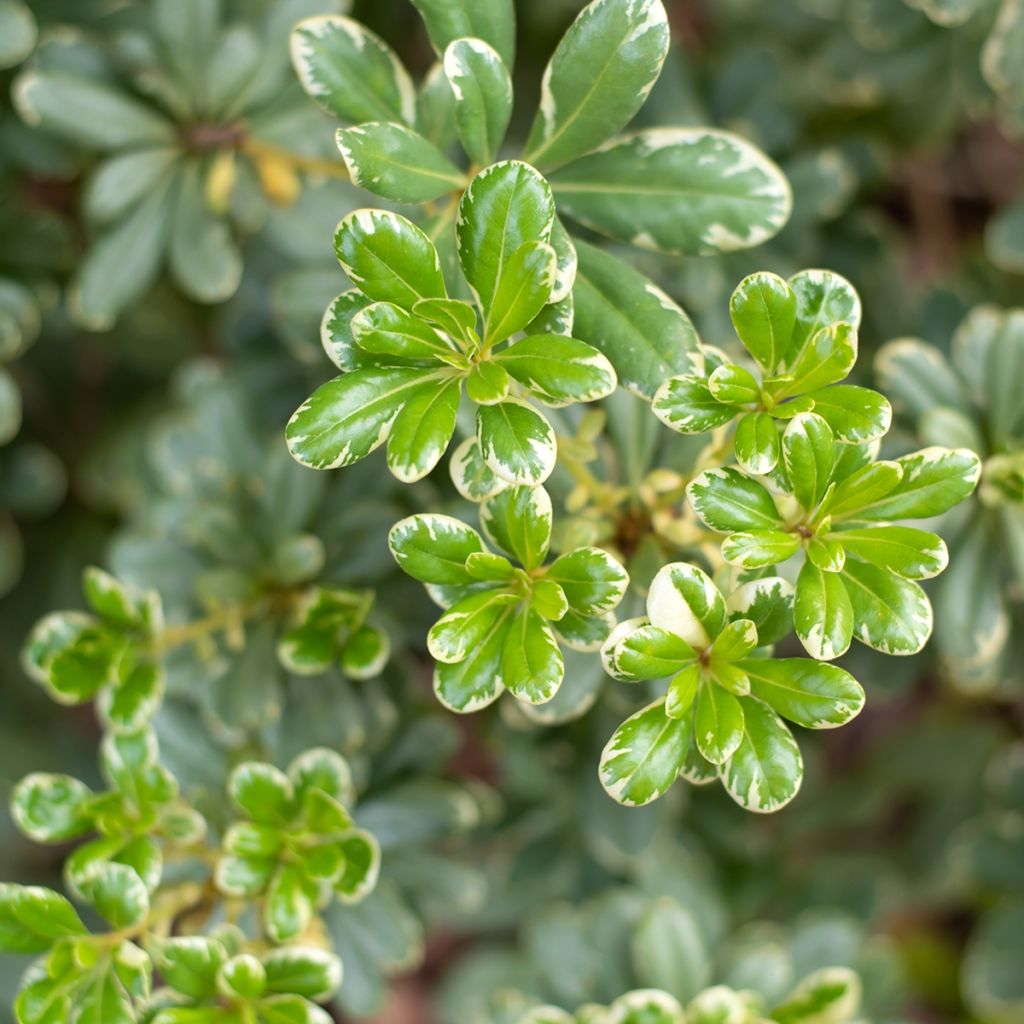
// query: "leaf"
[[303, 971], [519, 520], [434, 548], [135, 700], [917, 377], [423, 429], [384, 329], [505, 206], [483, 96], [51, 808], [93, 114], [823, 299], [726, 500], [288, 907], [362, 867], [810, 693], [523, 290], [644, 334], [18, 32], [644, 755], [668, 950], [32, 918], [397, 163], [365, 653], [734, 385], [758, 548], [638, 650], [808, 451], [766, 770], [558, 370], [189, 964], [829, 994], [828, 357], [933, 481], [717, 723], [827, 553], [768, 603], [473, 478], [262, 792], [531, 663], [690, 190], [685, 404], [475, 681], [516, 442], [763, 311], [389, 258], [336, 331], [203, 256], [598, 78], [913, 554], [466, 624], [736, 640], [593, 581], [350, 416], [861, 489], [684, 601], [487, 383], [118, 894], [490, 20], [890, 614], [351, 72], [757, 443], [855, 414], [323, 769], [822, 613]]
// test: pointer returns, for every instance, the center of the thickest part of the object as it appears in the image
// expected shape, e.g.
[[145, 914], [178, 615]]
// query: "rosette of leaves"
[[802, 337], [298, 847], [195, 126], [689, 190], [409, 351], [727, 697], [219, 979], [503, 624], [835, 509], [110, 654], [135, 818], [973, 400]]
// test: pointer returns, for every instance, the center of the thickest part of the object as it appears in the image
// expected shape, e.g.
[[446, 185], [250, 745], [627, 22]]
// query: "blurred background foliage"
[[167, 198]]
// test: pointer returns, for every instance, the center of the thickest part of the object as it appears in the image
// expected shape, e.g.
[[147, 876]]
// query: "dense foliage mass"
[[665, 350]]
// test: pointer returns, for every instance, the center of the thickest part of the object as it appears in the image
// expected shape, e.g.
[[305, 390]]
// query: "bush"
[[596, 461]]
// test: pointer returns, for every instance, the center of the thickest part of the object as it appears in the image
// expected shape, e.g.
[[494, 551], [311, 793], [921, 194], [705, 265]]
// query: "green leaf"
[[303, 971], [516, 442], [766, 770], [717, 723], [531, 663], [321, 617], [189, 964], [434, 548], [336, 331], [365, 653], [669, 950], [351, 72], [483, 96], [523, 290], [736, 640], [828, 357], [320, 768], [809, 453], [262, 792], [822, 613], [757, 443], [913, 554], [933, 481], [768, 603], [917, 377], [242, 977], [465, 625], [683, 690], [823, 299], [51, 808], [558, 370], [487, 383], [475, 682], [519, 520], [810, 693], [423, 429], [593, 581], [473, 478], [763, 311], [118, 894], [598, 78], [18, 32], [384, 329], [827, 553], [829, 994], [32, 918], [890, 614], [637, 650], [289, 1009], [686, 404], [453, 316], [493, 21], [646, 336], [648, 1006], [350, 416], [758, 548], [93, 114], [644, 755], [388, 258], [690, 190], [289, 905], [135, 700], [362, 867], [506, 206], [397, 163], [734, 385], [726, 500], [861, 489], [120, 603], [684, 601], [855, 414]]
